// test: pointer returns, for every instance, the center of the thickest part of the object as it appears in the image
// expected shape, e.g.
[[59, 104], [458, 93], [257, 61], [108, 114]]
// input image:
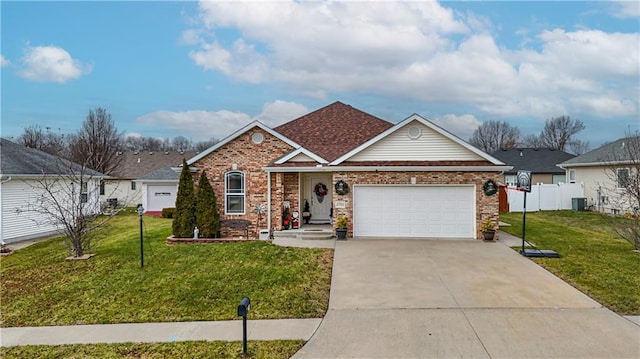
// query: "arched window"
[[234, 196]]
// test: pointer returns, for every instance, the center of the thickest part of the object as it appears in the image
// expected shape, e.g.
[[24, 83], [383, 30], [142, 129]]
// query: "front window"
[[622, 175], [84, 192], [133, 185], [102, 188], [572, 176], [234, 193]]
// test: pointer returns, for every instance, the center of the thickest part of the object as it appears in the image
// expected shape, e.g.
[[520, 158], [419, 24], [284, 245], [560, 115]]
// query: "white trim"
[[268, 202], [243, 194], [594, 164], [391, 168], [425, 122], [303, 151], [236, 134]]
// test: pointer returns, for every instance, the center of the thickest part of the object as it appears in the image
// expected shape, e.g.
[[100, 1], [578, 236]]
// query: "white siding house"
[[28, 179], [605, 172]]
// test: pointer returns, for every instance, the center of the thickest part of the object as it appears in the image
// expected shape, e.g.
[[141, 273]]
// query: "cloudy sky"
[[203, 70]]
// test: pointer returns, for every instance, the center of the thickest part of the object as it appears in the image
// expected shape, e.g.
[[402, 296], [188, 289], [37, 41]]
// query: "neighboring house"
[[26, 174], [605, 172], [123, 186], [159, 189], [411, 179], [542, 162]]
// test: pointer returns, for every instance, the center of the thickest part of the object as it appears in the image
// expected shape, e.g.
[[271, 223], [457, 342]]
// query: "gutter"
[[321, 168]]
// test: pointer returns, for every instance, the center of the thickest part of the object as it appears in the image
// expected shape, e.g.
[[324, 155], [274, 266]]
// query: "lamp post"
[[140, 211]]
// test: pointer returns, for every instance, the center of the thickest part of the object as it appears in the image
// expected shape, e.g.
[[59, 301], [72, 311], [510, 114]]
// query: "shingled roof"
[[536, 160], [617, 151], [17, 160], [333, 130], [137, 164]]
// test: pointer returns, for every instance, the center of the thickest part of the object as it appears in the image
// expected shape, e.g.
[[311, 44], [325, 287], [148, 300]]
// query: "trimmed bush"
[[168, 212], [184, 218], [207, 216]]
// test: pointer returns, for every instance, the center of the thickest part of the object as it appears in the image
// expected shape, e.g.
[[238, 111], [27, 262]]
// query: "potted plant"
[[306, 213], [488, 229], [341, 227]]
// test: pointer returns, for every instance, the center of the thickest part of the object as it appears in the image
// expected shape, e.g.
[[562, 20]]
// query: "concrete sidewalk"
[[160, 332]]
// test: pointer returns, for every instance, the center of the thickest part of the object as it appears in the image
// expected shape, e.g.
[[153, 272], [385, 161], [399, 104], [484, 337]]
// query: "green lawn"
[[178, 282], [593, 259], [256, 349]]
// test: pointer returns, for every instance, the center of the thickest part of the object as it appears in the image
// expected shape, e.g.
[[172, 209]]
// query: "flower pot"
[[489, 235], [341, 233]]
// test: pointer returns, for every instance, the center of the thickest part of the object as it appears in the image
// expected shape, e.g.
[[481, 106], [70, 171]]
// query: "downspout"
[[269, 201]]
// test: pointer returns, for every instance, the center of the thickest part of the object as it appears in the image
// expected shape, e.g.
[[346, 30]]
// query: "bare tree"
[[559, 131], [152, 144], [623, 170], [578, 147], [97, 143], [35, 136], [494, 135], [204, 145], [181, 143], [531, 141]]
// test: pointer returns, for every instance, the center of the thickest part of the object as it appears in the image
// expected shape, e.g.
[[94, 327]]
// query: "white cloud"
[[418, 50], [51, 64], [4, 62], [625, 8], [460, 125], [203, 125]]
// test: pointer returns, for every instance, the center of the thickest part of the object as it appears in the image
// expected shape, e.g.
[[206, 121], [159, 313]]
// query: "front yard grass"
[[178, 282], [196, 349], [593, 259]]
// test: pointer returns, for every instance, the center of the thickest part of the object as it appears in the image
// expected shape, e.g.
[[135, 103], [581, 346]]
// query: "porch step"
[[312, 234]]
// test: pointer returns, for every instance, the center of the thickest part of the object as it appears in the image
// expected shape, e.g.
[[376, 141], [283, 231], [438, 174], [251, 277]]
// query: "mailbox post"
[[243, 310]]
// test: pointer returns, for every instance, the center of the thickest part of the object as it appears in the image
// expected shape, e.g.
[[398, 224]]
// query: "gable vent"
[[414, 132]]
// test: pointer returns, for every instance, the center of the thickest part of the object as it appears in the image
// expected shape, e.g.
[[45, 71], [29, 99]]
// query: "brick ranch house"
[[411, 179]]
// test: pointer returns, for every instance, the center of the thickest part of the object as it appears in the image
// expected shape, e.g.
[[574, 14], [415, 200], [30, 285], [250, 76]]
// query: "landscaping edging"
[[173, 240]]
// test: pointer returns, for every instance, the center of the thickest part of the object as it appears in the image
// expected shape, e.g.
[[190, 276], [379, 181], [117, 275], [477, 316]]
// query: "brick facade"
[[486, 206], [249, 158]]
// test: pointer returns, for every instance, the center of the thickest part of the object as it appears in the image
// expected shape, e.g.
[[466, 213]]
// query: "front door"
[[319, 196]]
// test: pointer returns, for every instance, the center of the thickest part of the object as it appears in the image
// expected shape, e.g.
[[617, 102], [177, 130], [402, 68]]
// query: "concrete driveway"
[[394, 298]]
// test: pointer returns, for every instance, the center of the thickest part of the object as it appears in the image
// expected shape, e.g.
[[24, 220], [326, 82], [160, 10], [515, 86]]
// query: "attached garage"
[[427, 211]]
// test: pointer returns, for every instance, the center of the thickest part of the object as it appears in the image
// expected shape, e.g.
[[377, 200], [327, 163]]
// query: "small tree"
[[184, 219], [207, 216], [623, 169]]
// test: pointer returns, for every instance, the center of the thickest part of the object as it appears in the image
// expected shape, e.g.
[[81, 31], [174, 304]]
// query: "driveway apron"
[[396, 298]]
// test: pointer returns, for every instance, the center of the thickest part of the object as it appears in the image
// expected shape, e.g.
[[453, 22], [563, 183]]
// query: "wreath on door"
[[320, 190]]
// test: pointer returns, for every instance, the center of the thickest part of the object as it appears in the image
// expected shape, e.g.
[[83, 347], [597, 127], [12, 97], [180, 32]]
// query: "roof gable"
[[333, 130], [416, 139], [536, 160], [301, 155], [240, 132]]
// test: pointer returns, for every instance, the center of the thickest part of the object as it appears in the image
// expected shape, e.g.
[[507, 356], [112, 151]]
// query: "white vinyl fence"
[[545, 197]]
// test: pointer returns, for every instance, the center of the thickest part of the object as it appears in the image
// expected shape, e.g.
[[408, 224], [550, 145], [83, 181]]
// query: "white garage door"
[[414, 211], [161, 196]]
